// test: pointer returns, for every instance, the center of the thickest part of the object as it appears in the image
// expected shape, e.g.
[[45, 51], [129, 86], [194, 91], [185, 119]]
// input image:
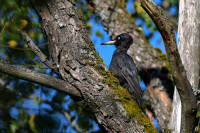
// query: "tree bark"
[[74, 57], [151, 64], [175, 120], [189, 47], [188, 99], [189, 39]]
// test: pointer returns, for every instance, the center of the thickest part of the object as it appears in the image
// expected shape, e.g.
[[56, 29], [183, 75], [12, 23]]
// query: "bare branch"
[[39, 78], [2, 29], [35, 49], [173, 21]]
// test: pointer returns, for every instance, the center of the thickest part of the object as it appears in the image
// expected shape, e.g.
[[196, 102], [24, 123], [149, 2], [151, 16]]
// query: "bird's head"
[[123, 40]]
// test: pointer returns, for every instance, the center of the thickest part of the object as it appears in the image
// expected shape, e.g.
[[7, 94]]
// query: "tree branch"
[[172, 20], [187, 97], [35, 49], [39, 78], [73, 52]]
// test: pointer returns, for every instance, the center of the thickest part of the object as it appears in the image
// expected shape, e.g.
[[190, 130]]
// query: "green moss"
[[119, 17], [122, 4], [167, 130], [131, 18], [158, 50], [163, 57], [131, 107]]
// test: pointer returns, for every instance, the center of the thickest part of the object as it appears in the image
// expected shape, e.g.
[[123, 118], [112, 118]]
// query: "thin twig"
[[2, 29], [35, 49]]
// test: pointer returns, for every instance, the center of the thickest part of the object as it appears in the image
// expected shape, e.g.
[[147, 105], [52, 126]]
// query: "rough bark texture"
[[188, 100], [189, 47], [152, 66], [189, 39], [75, 59]]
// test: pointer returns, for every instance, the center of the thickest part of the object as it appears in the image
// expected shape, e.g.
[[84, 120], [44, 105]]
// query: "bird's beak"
[[108, 43]]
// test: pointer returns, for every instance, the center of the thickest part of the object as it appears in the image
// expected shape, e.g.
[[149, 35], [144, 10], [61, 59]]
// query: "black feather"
[[123, 67]]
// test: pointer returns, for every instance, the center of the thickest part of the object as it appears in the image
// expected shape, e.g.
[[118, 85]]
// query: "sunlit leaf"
[[98, 33], [23, 23], [32, 123], [12, 44], [14, 126]]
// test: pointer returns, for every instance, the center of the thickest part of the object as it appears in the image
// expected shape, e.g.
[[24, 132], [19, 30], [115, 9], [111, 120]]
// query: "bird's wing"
[[130, 73]]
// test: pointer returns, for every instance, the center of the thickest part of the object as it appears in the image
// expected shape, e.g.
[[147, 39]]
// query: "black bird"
[[123, 67]]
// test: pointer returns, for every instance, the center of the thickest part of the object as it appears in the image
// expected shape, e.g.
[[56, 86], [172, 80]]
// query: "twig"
[[35, 49], [3, 29]]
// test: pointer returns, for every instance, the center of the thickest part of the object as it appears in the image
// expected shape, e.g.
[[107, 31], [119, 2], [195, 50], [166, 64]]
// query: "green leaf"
[[98, 33], [32, 123], [198, 112], [171, 1], [14, 126], [148, 21], [152, 28], [35, 100]]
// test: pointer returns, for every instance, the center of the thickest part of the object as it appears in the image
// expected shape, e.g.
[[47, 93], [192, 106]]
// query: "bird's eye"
[[118, 38]]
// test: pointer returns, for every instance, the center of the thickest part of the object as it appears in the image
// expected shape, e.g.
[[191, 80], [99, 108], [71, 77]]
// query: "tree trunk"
[[189, 47], [76, 61], [189, 39]]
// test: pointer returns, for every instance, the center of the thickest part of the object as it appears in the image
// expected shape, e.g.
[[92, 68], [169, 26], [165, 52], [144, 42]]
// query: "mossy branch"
[[188, 99]]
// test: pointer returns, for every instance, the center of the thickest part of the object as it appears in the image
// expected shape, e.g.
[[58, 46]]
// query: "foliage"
[[24, 106]]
